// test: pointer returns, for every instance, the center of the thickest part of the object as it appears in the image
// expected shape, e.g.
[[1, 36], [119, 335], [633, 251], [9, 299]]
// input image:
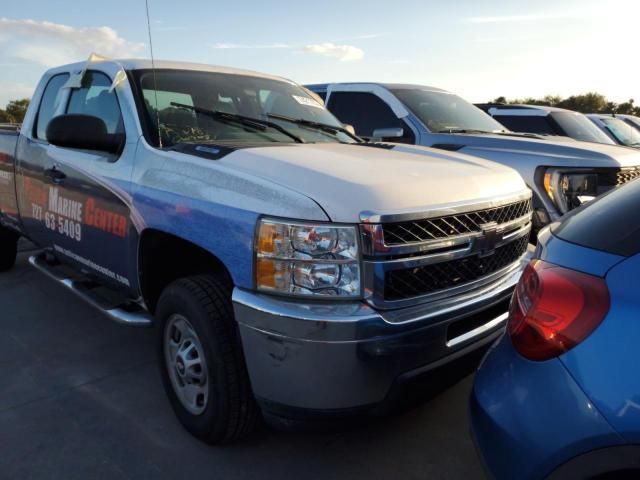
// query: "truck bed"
[[9, 135], [9, 128], [8, 139]]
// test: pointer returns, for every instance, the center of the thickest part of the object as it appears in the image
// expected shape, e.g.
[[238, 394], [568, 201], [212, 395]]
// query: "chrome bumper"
[[335, 356]]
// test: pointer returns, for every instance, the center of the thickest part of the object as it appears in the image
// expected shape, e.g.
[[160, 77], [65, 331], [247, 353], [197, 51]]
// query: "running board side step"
[[125, 314]]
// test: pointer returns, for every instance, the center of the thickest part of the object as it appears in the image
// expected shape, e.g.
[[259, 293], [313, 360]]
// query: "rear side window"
[[518, 123], [95, 99], [611, 223], [366, 112], [51, 99]]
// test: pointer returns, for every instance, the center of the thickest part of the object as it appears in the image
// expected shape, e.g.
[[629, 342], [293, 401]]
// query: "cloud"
[[511, 38], [231, 46], [522, 18], [49, 43], [344, 53], [368, 36], [12, 91]]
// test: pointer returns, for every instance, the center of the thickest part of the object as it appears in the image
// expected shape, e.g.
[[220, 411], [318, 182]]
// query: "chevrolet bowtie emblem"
[[485, 245]]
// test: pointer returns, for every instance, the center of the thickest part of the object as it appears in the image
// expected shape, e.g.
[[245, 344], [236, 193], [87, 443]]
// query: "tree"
[[5, 117], [552, 100], [627, 108], [16, 109], [587, 103]]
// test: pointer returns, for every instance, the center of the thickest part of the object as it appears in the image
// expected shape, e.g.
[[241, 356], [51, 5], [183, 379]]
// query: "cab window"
[[50, 102], [532, 124], [367, 112], [94, 98]]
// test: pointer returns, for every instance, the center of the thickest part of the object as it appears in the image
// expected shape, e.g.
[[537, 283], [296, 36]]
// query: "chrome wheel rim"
[[186, 364]]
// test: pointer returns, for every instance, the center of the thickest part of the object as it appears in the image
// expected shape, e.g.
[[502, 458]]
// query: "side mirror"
[[349, 128], [85, 132], [381, 133]]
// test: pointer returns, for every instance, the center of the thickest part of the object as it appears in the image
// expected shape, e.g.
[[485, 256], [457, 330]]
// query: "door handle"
[[55, 175]]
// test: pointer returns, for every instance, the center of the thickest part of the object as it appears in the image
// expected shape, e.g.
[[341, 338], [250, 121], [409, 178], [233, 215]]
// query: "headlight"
[[307, 259], [568, 189]]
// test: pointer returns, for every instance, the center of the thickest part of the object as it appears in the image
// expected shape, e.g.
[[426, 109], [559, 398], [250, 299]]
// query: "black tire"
[[8, 249], [231, 411]]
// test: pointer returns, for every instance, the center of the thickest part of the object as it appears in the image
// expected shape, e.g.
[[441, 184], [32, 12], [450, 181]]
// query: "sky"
[[480, 49]]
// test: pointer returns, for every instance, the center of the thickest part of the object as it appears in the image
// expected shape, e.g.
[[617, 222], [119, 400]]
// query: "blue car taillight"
[[553, 309]]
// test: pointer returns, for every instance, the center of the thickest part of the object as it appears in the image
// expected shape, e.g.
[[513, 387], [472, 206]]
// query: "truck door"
[[86, 216], [31, 159]]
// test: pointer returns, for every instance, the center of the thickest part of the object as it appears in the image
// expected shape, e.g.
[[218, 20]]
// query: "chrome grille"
[[452, 225], [627, 174], [413, 282], [437, 255], [614, 177]]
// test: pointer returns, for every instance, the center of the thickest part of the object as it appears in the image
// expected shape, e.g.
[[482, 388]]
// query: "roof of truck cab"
[[542, 108], [602, 115], [388, 86], [624, 115], [143, 64]]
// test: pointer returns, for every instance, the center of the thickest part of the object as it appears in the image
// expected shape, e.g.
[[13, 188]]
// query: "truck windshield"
[[576, 125], [178, 97], [446, 112], [633, 121], [624, 133]]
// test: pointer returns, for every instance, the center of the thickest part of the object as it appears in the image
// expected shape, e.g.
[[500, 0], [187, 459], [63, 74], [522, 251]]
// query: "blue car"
[[558, 396]]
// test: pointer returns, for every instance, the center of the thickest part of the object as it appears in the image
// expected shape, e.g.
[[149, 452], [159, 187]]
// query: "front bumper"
[[332, 357]]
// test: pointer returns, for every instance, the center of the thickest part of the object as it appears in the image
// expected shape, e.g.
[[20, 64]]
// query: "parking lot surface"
[[80, 398]]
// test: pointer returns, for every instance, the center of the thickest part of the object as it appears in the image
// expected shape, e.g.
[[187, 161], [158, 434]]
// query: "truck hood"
[[555, 151], [347, 180]]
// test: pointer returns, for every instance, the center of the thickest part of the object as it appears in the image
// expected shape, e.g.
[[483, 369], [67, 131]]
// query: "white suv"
[[619, 130], [562, 172], [545, 120]]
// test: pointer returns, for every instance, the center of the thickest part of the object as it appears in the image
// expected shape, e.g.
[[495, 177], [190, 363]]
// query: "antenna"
[[153, 70]]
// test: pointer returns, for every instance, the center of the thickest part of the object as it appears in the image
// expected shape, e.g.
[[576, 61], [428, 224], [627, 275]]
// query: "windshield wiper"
[[473, 131], [465, 130], [538, 136], [255, 123], [332, 129]]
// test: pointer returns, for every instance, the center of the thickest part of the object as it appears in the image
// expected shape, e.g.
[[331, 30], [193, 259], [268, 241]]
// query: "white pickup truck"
[[563, 173], [289, 267]]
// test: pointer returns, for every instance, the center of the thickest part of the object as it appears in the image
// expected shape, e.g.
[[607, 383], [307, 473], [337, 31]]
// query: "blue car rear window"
[[611, 223]]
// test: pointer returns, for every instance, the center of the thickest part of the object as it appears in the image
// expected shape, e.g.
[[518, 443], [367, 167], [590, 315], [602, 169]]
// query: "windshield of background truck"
[[633, 121], [245, 95], [580, 127], [441, 111], [625, 133]]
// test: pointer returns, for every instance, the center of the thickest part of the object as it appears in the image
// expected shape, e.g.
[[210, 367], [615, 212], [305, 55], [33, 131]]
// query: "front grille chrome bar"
[[405, 274], [375, 274]]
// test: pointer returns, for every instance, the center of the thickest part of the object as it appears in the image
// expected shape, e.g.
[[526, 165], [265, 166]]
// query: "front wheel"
[[8, 249], [201, 360]]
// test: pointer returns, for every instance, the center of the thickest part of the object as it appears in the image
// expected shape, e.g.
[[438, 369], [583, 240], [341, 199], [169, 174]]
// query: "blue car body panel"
[[519, 432], [529, 418], [560, 252], [614, 385], [222, 229]]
